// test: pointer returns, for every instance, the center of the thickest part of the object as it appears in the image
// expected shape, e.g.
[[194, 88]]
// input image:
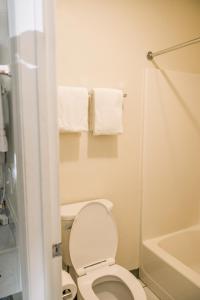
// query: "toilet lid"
[[93, 237]]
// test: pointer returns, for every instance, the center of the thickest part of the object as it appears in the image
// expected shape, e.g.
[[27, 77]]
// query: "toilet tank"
[[68, 213]]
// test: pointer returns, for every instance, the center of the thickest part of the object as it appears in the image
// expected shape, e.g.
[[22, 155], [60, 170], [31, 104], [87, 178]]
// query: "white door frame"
[[33, 69]]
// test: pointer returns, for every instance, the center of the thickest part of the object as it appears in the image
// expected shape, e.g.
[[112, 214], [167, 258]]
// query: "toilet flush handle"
[[110, 261]]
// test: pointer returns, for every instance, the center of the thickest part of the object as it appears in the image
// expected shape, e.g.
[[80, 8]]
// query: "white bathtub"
[[171, 264]]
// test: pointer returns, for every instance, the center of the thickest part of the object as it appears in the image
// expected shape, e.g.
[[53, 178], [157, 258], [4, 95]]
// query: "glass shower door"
[[10, 277]]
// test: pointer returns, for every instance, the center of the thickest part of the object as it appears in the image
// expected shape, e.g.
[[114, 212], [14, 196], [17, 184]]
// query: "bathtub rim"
[[153, 246]]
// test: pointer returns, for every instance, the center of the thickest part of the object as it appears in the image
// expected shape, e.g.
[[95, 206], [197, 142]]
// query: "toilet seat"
[[93, 238], [85, 283], [92, 246]]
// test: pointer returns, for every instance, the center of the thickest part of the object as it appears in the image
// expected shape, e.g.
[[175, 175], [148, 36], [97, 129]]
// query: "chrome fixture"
[[151, 55], [5, 70], [5, 74]]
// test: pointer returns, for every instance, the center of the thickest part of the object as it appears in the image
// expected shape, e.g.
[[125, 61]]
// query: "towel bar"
[[5, 70], [5, 74], [91, 93]]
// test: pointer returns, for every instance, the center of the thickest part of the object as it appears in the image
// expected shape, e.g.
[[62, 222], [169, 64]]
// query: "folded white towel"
[[107, 111], [73, 109], [3, 139]]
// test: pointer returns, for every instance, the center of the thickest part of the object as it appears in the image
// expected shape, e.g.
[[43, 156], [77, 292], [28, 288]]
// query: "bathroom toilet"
[[92, 247]]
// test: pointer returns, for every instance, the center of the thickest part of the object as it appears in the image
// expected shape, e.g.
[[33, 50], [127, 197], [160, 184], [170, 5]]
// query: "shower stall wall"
[[171, 170]]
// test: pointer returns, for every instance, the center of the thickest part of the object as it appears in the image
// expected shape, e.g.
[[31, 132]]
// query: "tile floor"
[[149, 293]]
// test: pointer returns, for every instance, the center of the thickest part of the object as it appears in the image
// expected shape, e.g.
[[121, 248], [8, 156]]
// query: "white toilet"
[[92, 247]]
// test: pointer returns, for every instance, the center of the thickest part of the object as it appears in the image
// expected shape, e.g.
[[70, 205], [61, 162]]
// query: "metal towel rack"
[[4, 71], [5, 74], [90, 93]]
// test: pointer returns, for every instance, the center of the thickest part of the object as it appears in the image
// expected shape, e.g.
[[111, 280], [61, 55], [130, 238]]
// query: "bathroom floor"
[[149, 293]]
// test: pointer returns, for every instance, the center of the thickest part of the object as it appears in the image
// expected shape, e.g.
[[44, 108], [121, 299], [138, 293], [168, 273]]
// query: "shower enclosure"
[[170, 243]]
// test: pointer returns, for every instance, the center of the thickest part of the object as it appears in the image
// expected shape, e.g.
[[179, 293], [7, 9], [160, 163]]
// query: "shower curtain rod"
[[151, 55]]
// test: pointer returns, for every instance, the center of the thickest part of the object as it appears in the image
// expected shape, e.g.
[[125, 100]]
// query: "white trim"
[[36, 137], [49, 141]]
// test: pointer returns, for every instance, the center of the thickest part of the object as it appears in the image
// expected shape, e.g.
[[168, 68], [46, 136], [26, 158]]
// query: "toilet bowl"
[[92, 247], [110, 283]]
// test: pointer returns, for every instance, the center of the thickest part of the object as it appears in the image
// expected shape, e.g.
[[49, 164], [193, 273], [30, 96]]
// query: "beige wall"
[[103, 44]]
